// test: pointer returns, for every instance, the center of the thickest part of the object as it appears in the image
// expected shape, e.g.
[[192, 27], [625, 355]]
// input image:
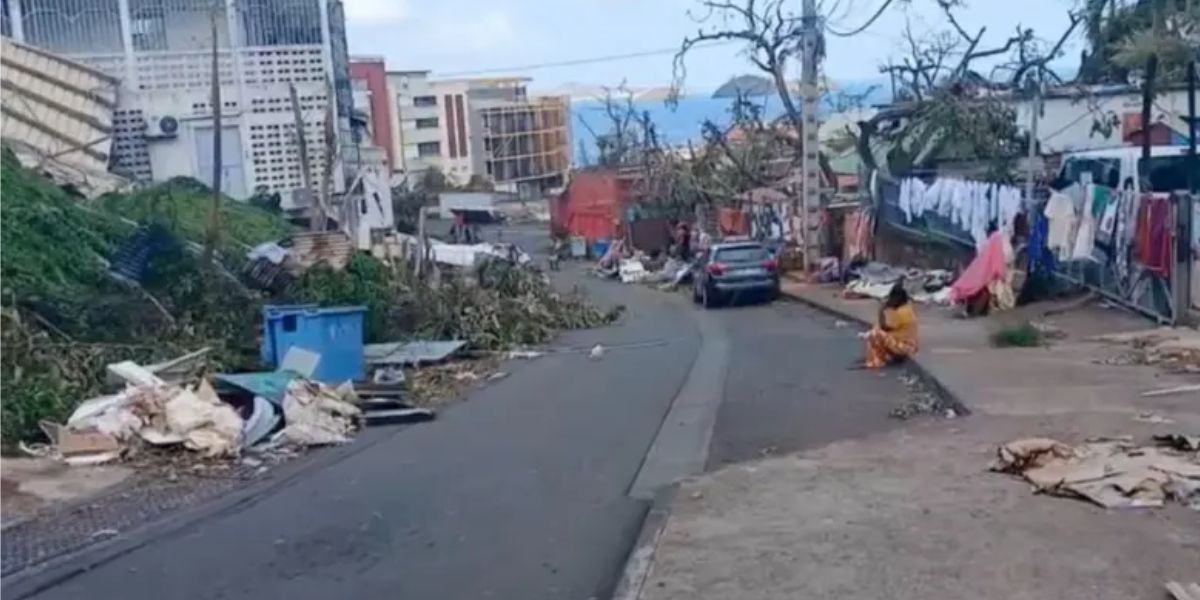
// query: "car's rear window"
[[741, 254]]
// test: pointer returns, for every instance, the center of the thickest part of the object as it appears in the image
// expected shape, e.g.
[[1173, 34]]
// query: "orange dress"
[[898, 342]]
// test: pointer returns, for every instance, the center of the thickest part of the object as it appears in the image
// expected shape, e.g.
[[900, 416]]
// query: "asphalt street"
[[523, 491]]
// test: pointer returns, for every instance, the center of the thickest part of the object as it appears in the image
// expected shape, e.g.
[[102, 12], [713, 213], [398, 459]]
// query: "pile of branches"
[[496, 305]]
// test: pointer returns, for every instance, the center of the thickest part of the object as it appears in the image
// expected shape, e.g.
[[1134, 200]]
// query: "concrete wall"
[[374, 73], [1067, 123]]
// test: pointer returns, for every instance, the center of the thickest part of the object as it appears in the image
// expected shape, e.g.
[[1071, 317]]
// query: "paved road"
[[521, 492]]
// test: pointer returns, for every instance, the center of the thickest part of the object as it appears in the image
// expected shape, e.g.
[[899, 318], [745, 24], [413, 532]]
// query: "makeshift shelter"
[[593, 205]]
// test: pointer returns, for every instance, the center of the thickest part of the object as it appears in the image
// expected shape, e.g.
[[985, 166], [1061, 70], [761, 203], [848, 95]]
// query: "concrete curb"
[[641, 557], [916, 364], [39, 578]]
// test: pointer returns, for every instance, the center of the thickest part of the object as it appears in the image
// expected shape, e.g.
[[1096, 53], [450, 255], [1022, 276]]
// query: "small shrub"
[[1024, 335]]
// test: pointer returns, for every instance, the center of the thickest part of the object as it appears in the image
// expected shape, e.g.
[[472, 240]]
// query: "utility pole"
[[302, 151], [214, 217], [1035, 113], [810, 199]]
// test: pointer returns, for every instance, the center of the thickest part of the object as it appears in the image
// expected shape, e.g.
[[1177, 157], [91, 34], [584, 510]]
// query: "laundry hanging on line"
[[970, 205]]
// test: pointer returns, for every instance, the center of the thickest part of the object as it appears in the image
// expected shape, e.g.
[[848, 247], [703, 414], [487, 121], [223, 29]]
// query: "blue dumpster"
[[335, 333]]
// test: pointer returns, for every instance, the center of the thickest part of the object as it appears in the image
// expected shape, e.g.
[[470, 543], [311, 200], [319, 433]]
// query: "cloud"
[[375, 12]]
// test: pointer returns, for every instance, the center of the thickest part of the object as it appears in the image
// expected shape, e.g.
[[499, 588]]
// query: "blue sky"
[[450, 36]]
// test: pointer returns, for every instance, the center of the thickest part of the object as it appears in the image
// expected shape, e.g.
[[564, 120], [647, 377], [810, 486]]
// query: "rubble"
[[1111, 472], [1173, 350], [318, 415]]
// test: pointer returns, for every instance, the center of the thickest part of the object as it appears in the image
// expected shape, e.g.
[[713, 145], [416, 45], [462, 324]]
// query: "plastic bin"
[[336, 333], [599, 248]]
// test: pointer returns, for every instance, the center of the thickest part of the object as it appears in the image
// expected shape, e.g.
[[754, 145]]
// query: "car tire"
[[709, 298]]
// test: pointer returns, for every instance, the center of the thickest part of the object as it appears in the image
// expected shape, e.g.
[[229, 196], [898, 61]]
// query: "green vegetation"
[[1023, 335], [63, 316], [182, 204]]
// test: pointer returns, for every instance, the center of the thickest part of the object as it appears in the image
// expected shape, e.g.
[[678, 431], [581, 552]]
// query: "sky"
[[452, 37]]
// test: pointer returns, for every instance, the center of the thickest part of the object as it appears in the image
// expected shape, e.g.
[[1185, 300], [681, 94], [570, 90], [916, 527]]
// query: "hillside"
[[748, 85]]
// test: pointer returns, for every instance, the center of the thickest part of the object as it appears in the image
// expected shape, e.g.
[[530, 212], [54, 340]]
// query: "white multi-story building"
[[161, 51], [479, 127]]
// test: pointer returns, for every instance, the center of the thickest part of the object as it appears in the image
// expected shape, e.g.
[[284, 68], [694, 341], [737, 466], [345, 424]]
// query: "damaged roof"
[[58, 114]]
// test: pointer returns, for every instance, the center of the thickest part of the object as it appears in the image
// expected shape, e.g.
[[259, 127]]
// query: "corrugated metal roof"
[[307, 249], [57, 109]]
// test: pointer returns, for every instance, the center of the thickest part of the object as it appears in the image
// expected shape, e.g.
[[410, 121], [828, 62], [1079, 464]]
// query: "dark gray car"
[[730, 270]]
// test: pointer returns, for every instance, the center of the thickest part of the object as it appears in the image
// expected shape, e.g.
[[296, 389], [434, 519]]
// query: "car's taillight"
[[770, 264], [716, 269]]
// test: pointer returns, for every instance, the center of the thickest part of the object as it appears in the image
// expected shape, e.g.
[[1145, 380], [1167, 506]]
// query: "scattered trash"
[[1048, 331], [1113, 473], [317, 414], [104, 533], [1183, 443], [207, 424], [263, 420], [1152, 418], [696, 495], [840, 323], [79, 448], [300, 361], [497, 376], [525, 354], [920, 400], [466, 376], [385, 411], [597, 352], [1173, 350]]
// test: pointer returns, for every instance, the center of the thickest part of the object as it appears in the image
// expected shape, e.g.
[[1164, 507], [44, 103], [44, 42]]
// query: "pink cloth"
[[987, 267]]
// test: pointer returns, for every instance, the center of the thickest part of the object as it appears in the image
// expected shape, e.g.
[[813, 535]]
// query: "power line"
[[584, 61], [870, 22]]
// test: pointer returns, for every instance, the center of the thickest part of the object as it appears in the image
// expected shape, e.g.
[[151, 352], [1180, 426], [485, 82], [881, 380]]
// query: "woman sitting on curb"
[[895, 337]]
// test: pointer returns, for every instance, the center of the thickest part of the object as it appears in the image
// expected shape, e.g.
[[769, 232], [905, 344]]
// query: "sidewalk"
[[915, 513]]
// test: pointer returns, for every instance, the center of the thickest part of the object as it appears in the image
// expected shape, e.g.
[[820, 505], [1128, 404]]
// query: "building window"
[[429, 149], [424, 100], [429, 123]]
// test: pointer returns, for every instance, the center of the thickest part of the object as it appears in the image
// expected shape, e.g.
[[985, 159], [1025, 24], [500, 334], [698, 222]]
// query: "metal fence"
[[1149, 262]]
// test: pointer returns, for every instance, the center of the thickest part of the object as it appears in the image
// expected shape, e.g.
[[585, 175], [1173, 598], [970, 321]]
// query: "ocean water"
[[676, 125]]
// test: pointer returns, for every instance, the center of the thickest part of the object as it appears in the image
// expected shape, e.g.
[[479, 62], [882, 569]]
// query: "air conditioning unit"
[[161, 127]]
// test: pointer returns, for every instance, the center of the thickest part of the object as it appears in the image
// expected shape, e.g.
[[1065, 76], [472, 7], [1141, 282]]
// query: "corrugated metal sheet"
[[411, 353], [332, 248], [56, 109]]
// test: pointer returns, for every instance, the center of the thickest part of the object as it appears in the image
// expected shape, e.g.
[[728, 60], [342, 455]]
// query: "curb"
[[916, 364], [39, 578], [641, 557]]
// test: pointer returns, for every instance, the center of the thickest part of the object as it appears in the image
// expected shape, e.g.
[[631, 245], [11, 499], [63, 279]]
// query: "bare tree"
[[772, 37]]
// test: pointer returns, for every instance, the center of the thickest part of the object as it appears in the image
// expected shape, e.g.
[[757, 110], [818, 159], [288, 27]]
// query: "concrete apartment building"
[[161, 52], [479, 127]]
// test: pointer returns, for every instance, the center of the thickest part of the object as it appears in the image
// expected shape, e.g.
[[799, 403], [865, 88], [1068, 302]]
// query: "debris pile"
[[151, 411], [875, 280], [1173, 350], [920, 400], [1110, 472]]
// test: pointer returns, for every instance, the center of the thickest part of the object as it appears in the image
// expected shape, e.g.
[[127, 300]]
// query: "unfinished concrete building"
[[161, 51], [527, 144]]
